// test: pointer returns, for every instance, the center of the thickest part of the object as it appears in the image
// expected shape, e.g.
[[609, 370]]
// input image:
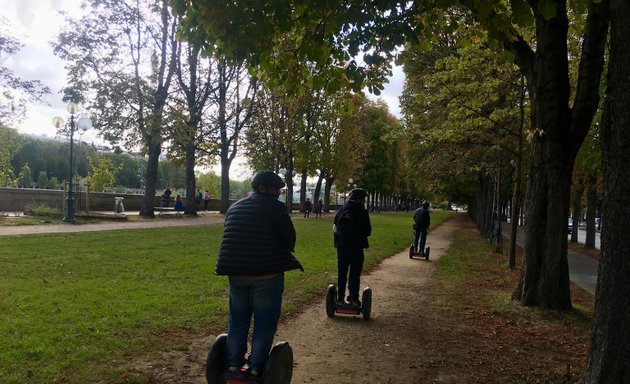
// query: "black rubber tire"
[[427, 251], [331, 296], [411, 252], [366, 308], [215, 364], [279, 366]]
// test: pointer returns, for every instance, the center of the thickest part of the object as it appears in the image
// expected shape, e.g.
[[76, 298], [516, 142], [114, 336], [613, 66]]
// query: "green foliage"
[[52, 157], [117, 293], [379, 172], [25, 178], [210, 182], [42, 180], [463, 116], [43, 210], [240, 189], [171, 175], [11, 144], [547, 9], [102, 174], [53, 183]]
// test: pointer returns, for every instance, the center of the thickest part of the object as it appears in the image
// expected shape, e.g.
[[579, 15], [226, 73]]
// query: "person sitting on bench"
[[179, 204], [166, 197]]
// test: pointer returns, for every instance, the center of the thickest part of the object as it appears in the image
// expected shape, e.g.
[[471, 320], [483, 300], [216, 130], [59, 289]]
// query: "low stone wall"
[[19, 199]]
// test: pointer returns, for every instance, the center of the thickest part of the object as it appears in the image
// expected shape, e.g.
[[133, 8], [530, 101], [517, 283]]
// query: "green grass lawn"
[[75, 307]]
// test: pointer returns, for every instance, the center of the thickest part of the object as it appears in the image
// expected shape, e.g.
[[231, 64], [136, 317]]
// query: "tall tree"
[[121, 60], [16, 93], [270, 137], [235, 100], [608, 357], [194, 80]]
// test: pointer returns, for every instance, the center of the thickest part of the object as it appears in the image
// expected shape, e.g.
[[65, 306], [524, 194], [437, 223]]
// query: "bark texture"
[[609, 353], [558, 133]]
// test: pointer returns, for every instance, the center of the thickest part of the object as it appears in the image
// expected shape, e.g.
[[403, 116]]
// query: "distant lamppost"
[[83, 123], [285, 172]]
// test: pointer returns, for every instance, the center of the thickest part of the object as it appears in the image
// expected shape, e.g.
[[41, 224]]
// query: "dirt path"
[[349, 349]]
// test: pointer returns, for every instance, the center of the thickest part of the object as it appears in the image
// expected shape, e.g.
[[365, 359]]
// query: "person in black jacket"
[[422, 220], [256, 250], [352, 228]]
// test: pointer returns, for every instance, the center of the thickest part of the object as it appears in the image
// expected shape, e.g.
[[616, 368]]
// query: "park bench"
[[163, 210]]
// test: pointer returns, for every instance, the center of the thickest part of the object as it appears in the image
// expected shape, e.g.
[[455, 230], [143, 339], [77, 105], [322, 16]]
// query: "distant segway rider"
[[256, 250], [422, 220], [352, 228]]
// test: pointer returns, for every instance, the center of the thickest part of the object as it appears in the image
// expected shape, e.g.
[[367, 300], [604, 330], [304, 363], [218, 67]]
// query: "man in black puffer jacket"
[[352, 228], [256, 250]]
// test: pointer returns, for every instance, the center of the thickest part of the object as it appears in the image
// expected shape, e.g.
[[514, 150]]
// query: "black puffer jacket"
[[258, 238], [357, 236]]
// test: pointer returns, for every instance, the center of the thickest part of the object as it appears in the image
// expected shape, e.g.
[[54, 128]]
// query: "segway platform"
[[345, 308], [413, 253], [278, 368]]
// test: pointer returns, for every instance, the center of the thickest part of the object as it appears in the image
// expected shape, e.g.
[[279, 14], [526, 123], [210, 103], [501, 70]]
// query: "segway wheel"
[[331, 295], [215, 364], [426, 253], [279, 366], [366, 308], [411, 252]]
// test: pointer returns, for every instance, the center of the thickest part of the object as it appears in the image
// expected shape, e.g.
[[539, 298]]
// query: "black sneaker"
[[355, 303], [254, 375]]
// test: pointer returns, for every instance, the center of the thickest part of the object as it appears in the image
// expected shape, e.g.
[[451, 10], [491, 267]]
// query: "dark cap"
[[268, 179], [357, 194]]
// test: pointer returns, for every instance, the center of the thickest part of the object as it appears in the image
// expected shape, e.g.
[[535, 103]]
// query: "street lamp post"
[[83, 123]]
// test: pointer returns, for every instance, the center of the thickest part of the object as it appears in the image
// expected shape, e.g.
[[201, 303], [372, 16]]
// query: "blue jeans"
[[422, 234], [261, 298], [349, 260]]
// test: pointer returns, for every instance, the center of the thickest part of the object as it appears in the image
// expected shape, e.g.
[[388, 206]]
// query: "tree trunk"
[[154, 150], [191, 181], [327, 189], [289, 181], [318, 188], [609, 356], [225, 185], [303, 189], [591, 207], [577, 210], [544, 278]]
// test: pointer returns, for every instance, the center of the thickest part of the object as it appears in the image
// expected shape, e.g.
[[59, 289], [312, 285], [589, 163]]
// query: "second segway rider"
[[352, 228], [256, 250], [422, 220]]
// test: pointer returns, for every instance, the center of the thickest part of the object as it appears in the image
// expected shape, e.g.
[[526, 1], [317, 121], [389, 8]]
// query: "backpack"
[[345, 228]]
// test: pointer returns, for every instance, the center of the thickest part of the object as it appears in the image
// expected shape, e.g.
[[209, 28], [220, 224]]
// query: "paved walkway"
[[582, 269], [105, 225]]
